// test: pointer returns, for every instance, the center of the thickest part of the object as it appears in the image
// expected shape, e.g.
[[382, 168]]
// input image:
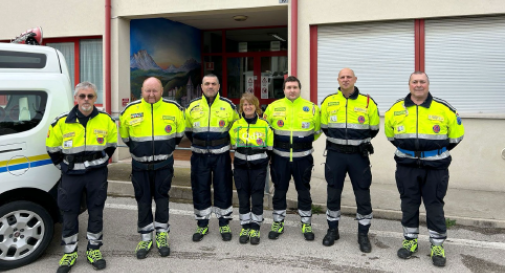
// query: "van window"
[[10, 59], [21, 111]]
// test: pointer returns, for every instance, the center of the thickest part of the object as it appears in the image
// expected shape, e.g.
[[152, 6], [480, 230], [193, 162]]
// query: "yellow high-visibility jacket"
[[152, 131], [349, 121], [423, 134], [296, 125], [251, 141], [207, 125], [75, 149]]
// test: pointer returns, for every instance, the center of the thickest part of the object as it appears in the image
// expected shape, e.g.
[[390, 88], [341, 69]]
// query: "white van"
[[34, 89]]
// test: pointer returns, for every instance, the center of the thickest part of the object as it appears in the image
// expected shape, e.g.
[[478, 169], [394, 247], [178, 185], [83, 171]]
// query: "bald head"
[[346, 71], [152, 90], [346, 80]]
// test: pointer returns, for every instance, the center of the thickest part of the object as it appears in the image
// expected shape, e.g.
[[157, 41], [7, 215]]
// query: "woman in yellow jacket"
[[252, 138]]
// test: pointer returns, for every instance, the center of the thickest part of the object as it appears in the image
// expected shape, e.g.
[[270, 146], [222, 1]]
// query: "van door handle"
[[11, 150]]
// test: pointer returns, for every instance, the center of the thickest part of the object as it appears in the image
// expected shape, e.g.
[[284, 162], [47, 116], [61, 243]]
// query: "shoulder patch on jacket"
[[130, 104], [105, 113], [229, 101], [368, 96], [396, 102], [445, 103], [322, 102], [193, 100], [62, 115], [173, 102]]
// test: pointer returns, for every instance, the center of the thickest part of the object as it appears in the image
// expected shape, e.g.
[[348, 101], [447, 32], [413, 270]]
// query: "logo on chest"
[[221, 123], [136, 115], [361, 119], [168, 128], [436, 128], [280, 123]]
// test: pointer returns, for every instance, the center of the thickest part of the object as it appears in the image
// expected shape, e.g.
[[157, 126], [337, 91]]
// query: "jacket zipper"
[[208, 125], [152, 126], [246, 142], [346, 138], [417, 134]]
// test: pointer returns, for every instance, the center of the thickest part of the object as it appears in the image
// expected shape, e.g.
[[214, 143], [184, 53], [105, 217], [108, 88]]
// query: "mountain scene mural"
[[168, 51]]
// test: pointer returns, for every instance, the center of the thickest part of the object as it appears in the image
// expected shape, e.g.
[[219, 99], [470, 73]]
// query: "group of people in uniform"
[[423, 128]]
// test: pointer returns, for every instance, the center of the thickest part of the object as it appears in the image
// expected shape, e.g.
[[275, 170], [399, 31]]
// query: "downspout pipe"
[[294, 37], [108, 102]]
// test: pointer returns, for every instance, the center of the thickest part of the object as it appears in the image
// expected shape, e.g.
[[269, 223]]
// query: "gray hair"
[[85, 85], [418, 72]]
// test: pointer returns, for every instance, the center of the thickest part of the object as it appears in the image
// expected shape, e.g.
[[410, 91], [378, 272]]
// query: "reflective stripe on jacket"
[[255, 137], [428, 127], [207, 125], [349, 121], [296, 123], [152, 131], [74, 149]]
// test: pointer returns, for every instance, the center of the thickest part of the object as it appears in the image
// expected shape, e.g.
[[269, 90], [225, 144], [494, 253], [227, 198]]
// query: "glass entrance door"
[[261, 75]]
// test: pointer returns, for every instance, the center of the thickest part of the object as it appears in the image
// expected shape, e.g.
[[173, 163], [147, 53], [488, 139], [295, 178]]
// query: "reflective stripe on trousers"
[[70, 243], [364, 220], [333, 215]]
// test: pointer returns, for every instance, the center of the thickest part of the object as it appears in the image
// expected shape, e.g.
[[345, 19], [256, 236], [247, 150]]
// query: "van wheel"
[[26, 229]]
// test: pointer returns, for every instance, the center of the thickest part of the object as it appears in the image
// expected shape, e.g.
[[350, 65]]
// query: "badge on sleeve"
[[458, 119]]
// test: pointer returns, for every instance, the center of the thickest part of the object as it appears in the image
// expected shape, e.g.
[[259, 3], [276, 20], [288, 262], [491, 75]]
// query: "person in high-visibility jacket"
[[80, 143], [252, 138], [208, 120], [350, 120], [296, 125], [424, 129], [152, 127]]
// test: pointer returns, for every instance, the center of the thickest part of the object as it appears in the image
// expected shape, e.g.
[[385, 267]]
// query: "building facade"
[[252, 45]]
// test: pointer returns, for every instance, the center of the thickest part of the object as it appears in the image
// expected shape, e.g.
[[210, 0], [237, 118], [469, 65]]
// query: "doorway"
[[247, 60]]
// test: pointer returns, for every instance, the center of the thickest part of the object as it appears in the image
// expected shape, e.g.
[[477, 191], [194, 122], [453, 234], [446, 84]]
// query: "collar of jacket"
[[155, 105], [425, 104], [72, 115], [354, 94], [253, 120], [204, 99], [296, 101]]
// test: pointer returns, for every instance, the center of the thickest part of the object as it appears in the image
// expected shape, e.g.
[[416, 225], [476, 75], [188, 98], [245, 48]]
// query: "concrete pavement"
[[468, 251], [466, 207]]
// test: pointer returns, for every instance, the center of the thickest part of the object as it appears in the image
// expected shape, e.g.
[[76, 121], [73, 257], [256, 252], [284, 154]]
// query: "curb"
[[181, 194]]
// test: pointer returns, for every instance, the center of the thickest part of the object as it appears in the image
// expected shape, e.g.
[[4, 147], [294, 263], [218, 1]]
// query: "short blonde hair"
[[252, 99]]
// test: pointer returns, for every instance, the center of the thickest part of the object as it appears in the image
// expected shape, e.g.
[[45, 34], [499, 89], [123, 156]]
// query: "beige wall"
[[142, 8], [58, 18], [120, 74]]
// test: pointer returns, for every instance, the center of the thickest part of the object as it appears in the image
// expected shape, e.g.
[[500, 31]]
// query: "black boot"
[[364, 243], [331, 236]]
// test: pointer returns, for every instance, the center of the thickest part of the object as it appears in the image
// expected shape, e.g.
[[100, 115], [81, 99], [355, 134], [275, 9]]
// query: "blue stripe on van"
[[25, 165]]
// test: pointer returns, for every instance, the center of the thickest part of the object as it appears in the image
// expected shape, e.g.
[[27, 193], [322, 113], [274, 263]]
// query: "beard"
[[86, 108]]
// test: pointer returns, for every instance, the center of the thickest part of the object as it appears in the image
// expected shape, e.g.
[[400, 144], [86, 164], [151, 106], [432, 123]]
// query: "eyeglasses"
[[83, 96]]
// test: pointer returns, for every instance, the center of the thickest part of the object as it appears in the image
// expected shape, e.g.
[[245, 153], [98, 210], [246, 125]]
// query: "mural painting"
[[169, 51]]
